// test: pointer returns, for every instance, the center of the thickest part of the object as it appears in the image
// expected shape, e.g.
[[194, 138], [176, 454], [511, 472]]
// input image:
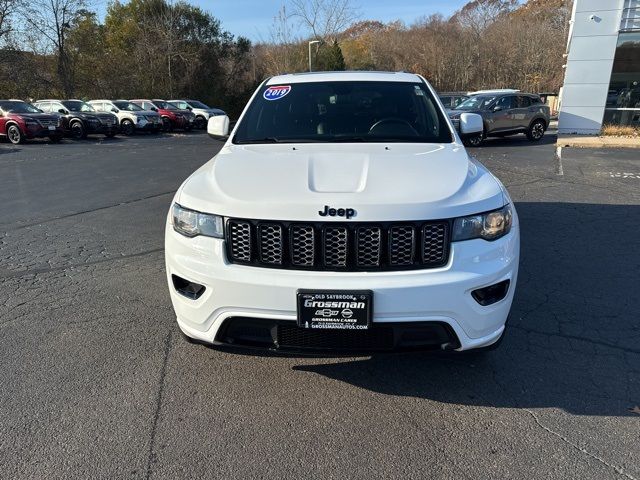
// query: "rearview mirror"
[[470, 124], [218, 127]]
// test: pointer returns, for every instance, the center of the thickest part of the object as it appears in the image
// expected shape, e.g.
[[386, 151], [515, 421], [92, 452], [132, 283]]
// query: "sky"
[[252, 18]]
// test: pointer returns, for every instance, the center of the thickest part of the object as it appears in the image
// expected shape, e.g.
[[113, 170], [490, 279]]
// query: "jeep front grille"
[[355, 246]]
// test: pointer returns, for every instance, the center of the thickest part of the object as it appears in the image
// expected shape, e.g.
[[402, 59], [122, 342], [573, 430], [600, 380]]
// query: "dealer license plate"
[[339, 310], [51, 127]]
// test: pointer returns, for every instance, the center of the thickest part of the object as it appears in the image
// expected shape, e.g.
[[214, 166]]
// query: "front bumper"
[[41, 132], [149, 126], [435, 296], [102, 128]]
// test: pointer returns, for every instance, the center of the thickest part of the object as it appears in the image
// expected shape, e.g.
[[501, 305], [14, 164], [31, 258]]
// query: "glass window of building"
[[623, 96]]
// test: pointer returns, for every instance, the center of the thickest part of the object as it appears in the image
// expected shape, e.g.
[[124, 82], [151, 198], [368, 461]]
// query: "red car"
[[172, 116], [20, 121]]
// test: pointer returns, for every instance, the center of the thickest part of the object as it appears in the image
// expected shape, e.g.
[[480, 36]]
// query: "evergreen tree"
[[333, 59]]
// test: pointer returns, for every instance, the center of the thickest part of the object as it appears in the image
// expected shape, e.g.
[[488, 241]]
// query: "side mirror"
[[189, 108], [218, 127], [497, 108], [62, 111], [154, 109], [115, 110], [471, 124]]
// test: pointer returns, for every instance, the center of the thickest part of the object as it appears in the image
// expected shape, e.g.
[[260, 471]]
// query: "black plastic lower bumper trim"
[[287, 336]]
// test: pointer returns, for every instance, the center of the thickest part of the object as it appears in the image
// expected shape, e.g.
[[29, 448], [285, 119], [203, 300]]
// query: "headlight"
[[191, 223], [489, 226]]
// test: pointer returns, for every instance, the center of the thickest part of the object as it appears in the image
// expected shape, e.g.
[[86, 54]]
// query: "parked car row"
[[20, 121], [504, 112]]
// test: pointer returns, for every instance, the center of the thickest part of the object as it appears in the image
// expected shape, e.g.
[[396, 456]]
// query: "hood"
[[37, 116], [381, 182], [84, 115], [456, 113], [146, 113], [104, 115]]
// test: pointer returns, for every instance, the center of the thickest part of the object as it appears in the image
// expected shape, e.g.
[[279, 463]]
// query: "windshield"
[[19, 107], [78, 106], [344, 112], [164, 105], [197, 104], [477, 102], [128, 106]]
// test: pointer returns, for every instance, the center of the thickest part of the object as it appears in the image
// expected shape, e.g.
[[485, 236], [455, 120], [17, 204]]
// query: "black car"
[[80, 119]]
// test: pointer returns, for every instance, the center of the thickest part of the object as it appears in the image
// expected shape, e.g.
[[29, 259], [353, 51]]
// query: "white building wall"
[[592, 48]]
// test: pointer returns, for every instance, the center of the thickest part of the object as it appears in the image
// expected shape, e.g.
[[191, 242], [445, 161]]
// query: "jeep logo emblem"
[[339, 212]]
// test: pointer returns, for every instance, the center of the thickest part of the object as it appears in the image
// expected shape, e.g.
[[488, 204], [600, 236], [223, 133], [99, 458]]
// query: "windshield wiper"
[[348, 139], [260, 140]]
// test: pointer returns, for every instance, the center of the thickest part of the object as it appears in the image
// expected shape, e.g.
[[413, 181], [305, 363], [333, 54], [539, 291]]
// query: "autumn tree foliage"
[[171, 48], [486, 44]]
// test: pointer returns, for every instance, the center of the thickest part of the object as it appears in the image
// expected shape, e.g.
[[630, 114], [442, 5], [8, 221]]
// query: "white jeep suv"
[[200, 110], [343, 213]]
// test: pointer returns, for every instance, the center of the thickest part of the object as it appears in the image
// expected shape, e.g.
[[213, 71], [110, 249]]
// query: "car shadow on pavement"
[[5, 149], [573, 335], [519, 140]]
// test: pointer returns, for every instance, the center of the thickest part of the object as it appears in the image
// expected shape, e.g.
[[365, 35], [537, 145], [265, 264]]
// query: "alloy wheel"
[[14, 134]]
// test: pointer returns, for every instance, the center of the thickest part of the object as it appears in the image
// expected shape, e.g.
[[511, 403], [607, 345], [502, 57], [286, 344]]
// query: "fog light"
[[186, 288], [491, 294]]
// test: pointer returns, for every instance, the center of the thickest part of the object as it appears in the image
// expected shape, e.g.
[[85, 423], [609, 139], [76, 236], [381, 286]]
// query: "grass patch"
[[620, 131]]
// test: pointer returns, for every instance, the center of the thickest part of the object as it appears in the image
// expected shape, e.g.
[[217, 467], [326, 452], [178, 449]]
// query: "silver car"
[[505, 114]]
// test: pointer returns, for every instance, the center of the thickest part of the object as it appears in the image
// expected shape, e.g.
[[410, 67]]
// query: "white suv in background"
[[200, 110], [131, 117], [343, 213]]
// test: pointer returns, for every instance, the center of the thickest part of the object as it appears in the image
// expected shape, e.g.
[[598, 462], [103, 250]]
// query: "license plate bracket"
[[335, 309]]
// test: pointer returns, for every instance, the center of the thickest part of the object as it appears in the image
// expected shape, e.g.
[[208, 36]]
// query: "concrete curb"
[[598, 142]]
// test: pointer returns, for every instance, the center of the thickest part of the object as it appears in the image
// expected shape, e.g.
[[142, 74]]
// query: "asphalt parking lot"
[[98, 383]]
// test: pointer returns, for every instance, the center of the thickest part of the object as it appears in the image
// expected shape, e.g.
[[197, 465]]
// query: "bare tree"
[[7, 8], [477, 15], [52, 19], [325, 19], [283, 52]]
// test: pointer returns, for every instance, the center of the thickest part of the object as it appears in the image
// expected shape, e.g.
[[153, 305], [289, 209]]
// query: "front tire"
[[14, 134], [474, 142], [536, 130], [78, 132], [127, 128], [200, 123], [166, 125]]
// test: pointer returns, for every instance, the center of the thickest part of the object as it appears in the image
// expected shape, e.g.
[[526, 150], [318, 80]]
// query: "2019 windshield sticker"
[[277, 92]]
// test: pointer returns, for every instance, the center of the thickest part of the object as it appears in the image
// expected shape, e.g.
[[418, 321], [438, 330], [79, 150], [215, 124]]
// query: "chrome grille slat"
[[241, 244], [338, 246], [401, 245], [434, 237], [303, 245], [369, 247], [270, 243], [335, 246]]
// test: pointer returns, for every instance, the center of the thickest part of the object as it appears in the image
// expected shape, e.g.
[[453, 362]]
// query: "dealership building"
[[602, 77]]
